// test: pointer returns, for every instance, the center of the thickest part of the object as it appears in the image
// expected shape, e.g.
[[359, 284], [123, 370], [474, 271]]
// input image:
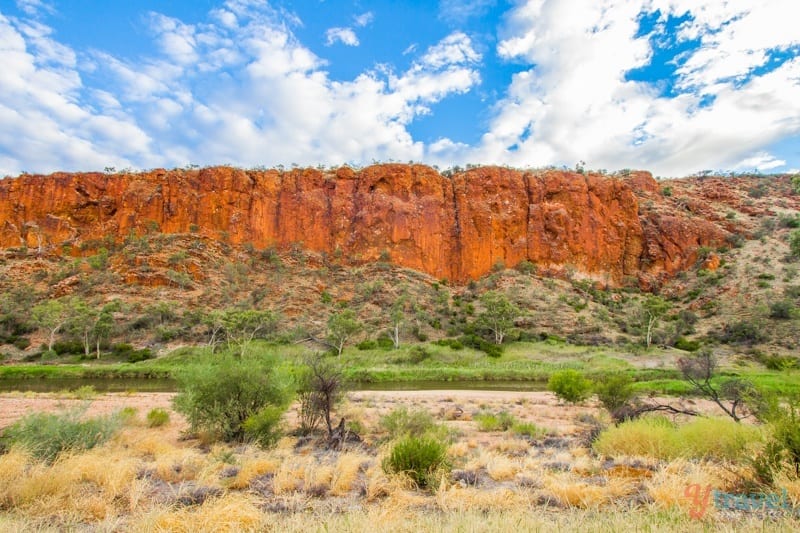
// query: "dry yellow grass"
[[511, 446], [349, 491], [144, 442], [792, 487], [346, 473], [178, 464], [92, 485], [231, 512], [460, 499], [573, 493], [12, 469], [291, 474], [499, 467], [253, 468], [668, 486]]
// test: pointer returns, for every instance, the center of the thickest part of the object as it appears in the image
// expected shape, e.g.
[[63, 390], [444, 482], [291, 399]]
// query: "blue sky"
[[672, 86]]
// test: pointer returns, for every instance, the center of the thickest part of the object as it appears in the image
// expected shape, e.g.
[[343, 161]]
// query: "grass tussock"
[[47, 435], [502, 421], [91, 486], [422, 459], [254, 468], [346, 473], [229, 513], [658, 437], [573, 493]]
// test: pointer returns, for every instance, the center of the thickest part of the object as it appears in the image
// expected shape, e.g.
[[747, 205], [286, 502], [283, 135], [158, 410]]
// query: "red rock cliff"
[[450, 227]]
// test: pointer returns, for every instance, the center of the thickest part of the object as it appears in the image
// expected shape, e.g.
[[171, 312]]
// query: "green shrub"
[[685, 344], [614, 391], [526, 267], [423, 459], [402, 422], [84, 392], [658, 437], [127, 416], [501, 421], [264, 427], [453, 344], [368, 344], [137, 356], [527, 429], [781, 310], [157, 417], [217, 395], [21, 343], [783, 446], [121, 349], [794, 243], [385, 343], [779, 362], [68, 348], [47, 435], [570, 386], [417, 354], [475, 341], [789, 221], [742, 332]]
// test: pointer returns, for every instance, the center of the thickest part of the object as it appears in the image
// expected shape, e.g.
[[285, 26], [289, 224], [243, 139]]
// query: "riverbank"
[[522, 365]]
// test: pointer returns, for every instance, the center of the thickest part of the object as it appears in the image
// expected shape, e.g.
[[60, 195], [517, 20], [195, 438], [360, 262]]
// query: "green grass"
[[658, 437], [501, 421], [47, 435], [157, 417], [521, 361], [422, 459]]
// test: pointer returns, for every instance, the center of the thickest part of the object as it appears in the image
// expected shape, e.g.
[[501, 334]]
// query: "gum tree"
[[498, 314], [51, 316]]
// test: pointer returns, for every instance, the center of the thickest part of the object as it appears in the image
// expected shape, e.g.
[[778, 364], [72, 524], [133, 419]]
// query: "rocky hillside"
[[455, 227], [577, 253]]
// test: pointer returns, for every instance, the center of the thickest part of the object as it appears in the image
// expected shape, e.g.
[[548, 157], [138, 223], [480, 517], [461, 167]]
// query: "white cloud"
[[575, 102], [47, 123], [343, 35], [35, 7], [760, 161], [237, 88], [240, 88], [364, 19]]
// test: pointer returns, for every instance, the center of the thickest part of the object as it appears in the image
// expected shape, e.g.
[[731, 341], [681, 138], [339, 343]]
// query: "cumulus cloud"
[[343, 35], [49, 121], [760, 161], [735, 93], [238, 88]]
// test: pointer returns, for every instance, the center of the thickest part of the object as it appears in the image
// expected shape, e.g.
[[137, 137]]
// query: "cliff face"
[[456, 228]]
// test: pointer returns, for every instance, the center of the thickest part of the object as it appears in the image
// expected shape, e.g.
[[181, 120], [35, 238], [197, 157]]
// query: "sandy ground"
[[16, 405], [455, 406]]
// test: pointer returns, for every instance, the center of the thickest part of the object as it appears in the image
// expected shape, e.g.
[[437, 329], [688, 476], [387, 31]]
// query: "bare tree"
[[731, 396], [321, 390]]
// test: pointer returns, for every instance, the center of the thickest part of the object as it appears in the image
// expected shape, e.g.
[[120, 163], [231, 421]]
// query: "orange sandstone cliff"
[[455, 227]]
